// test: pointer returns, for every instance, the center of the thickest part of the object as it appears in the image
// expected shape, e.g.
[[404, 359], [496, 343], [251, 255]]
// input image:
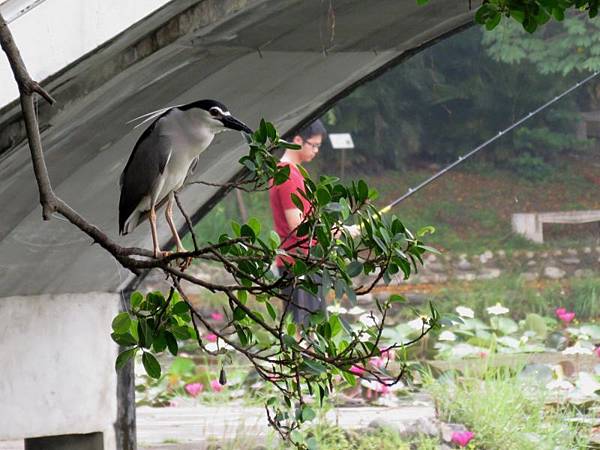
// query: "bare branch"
[[24, 81]]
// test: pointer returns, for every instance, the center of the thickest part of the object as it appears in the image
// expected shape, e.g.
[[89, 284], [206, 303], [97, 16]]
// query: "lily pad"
[[536, 323]]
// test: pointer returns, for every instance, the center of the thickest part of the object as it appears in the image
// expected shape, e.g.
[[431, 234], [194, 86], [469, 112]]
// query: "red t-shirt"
[[280, 197]]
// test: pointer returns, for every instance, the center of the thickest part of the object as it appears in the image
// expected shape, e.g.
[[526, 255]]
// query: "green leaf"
[[124, 357], [274, 240], [350, 379], [247, 231], [354, 268], [363, 191], [314, 366], [518, 15], [299, 268], [558, 13], [180, 332], [336, 325], [239, 314], [156, 299], [180, 308], [124, 339], [271, 311], [291, 328], [290, 145], [151, 365], [236, 227], [281, 175], [160, 343], [323, 196], [241, 334], [144, 333], [291, 342], [136, 300], [271, 132], [296, 437], [308, 413], [395, 298], [297, 202], [255, 225], [493, 21], [121, 323], [171, 343], [426, 230]]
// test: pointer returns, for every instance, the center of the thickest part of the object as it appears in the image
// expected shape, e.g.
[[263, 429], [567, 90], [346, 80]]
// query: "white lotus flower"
[[497, 310], [418, 324], [463, 311], [562, 385], [212, 347], [337, 309], [216, 346], [356, 310], [369, 320], [447, 336], [577, 349], [587, 383]]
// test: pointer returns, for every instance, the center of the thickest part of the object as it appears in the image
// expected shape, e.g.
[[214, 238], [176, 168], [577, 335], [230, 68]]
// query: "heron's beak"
[[234, 124]]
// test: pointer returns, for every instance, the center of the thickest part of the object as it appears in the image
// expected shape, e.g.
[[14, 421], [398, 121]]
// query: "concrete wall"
[[57, 359], [58, 32]]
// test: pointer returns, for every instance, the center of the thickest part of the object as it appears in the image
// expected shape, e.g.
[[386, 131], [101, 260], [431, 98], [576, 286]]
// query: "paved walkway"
[[194, 428]]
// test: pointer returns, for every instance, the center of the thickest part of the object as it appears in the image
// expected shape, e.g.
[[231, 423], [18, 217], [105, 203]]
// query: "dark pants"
[[303, 302]]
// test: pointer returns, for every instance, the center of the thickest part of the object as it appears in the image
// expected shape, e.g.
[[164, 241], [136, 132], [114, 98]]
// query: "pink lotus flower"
[[597, 351], [388, 354], [567, 317], [383, 389], [357, 370], [211, 337], [378, 362], [216, 386], [216, 316], [462, 438], [194, 388], [559, 312]]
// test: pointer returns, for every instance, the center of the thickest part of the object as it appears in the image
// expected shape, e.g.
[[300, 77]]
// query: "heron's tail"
[[130, 224]]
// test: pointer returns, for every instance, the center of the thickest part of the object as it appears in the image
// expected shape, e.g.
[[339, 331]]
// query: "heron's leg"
[[169, 217], [155, 244]]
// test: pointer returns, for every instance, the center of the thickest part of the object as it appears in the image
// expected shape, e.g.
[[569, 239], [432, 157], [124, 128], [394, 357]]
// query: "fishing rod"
[[463, 158]]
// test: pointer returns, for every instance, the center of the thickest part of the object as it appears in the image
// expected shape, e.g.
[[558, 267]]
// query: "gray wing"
[[191, 170], [146, 164]]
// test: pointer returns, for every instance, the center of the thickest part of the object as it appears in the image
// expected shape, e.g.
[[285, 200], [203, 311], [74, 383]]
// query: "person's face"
[[309, 147]]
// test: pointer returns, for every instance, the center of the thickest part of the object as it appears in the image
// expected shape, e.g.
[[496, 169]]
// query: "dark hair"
[[313, 129]]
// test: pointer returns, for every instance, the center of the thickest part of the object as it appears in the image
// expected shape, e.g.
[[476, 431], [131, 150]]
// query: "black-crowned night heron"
[[162, 158]]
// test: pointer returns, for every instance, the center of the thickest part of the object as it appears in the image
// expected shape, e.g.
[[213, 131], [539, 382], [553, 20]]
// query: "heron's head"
[[218, 118]]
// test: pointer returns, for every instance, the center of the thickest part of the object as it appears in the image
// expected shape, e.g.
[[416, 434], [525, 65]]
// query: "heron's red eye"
[[214, 112]]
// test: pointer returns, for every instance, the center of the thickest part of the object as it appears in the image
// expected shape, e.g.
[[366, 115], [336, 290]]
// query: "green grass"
[[506, 413]]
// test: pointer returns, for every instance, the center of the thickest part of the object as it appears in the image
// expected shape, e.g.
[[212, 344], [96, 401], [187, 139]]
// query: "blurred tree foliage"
[[452, 96]]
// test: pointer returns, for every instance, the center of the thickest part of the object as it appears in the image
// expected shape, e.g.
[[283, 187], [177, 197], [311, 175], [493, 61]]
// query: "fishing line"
[[501, 133]]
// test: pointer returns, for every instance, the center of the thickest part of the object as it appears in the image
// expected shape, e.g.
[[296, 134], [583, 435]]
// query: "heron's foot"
[[184, 263], [160, 254]]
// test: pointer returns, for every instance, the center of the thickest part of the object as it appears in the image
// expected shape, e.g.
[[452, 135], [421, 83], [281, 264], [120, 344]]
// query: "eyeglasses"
[[312, 144]]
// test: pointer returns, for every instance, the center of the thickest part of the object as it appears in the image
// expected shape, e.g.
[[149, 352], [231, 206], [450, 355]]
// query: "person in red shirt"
[[287, 216]]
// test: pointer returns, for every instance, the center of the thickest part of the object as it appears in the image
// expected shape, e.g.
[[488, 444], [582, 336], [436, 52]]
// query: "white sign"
[[341, 140]]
